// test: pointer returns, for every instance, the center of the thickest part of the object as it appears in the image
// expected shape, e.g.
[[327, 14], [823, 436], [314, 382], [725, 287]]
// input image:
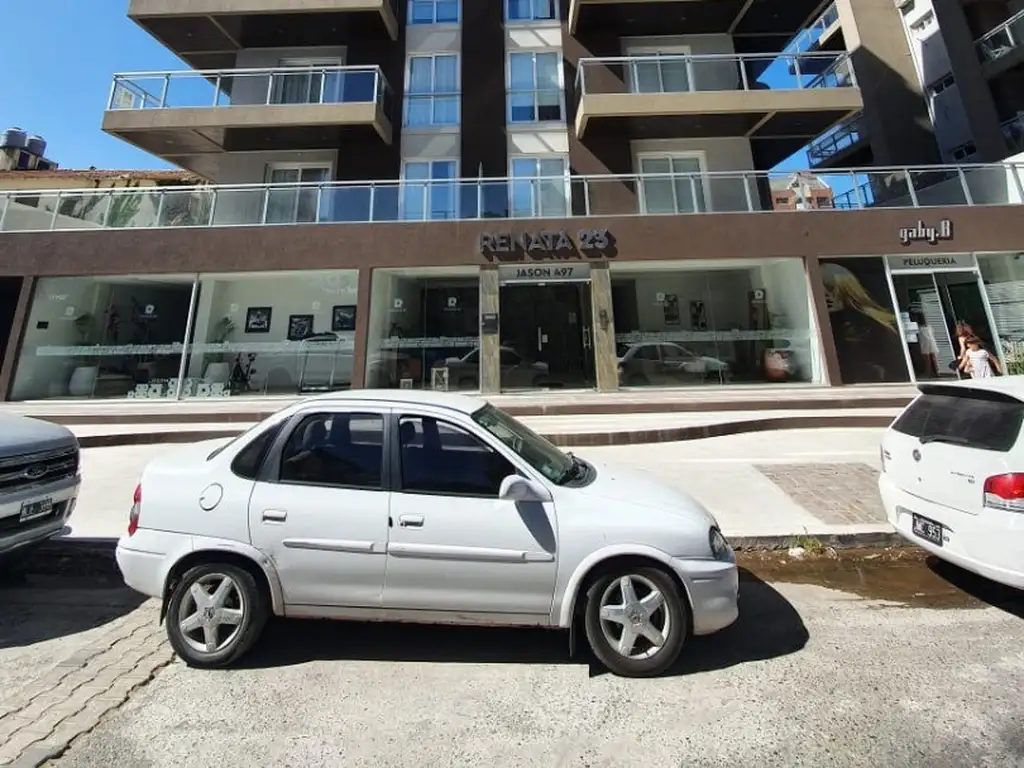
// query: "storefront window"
[[713, 323], [864, 322], [1003, 275], [273, 333], [103, 337], [424, 329]]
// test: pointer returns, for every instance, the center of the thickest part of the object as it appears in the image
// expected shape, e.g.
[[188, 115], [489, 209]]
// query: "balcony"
[[1013, 132], [789, 97], [180, 115], [208, 33], [837, 145], [560, 197], [822, 35], [1000, 49], [638, 18]]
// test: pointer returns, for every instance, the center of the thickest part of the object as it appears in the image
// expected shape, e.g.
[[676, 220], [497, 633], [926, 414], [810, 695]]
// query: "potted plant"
[[83, 377]]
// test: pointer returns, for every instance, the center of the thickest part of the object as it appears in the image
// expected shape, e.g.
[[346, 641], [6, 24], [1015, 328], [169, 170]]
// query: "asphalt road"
[[897, 664]]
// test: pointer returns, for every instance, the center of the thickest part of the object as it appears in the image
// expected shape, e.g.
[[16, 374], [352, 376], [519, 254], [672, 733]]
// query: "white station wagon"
[[423, 507]]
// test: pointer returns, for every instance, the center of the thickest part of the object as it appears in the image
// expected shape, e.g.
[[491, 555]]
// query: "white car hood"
[[639, 488]]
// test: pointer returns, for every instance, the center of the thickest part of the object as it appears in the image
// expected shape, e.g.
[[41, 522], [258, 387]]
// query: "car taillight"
[[1005, 492], [133, 516]]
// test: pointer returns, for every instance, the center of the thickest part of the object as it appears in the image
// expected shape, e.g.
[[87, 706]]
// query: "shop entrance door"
[[930, 305], [10, 289], [547, 338]]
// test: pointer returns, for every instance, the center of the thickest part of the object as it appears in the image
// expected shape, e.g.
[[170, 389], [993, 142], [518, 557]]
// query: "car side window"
[[647, 352], [249, 460], [671, 353], [442, 459], [343, 450], [509, 358]]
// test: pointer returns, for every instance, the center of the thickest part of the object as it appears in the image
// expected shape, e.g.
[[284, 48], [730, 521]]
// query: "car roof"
[[1007, 385], [398, 397]]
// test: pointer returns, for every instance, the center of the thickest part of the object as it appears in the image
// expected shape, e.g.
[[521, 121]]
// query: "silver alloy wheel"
[[635, 625], [211, 613]]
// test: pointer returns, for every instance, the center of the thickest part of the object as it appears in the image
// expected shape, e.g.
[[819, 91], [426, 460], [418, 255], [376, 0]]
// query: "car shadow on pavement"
[[984, 590], [57, 591], [768, 627]]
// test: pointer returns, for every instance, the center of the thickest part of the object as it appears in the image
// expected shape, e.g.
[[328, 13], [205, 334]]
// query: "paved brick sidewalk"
[[836, 494], [40, 715]]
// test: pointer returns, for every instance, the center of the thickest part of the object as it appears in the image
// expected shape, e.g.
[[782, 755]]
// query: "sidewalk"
[[764, 487]]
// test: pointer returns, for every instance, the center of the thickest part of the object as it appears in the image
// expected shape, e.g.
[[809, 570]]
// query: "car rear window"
[[988, 421]]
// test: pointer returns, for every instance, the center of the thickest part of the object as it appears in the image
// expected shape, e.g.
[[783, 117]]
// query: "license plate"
[[927, 529], [31, 510]]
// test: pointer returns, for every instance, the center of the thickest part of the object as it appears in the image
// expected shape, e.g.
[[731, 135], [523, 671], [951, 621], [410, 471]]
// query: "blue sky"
[[57, 84]]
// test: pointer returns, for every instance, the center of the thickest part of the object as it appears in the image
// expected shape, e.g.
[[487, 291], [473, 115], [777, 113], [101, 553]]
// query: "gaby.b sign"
[[921, 233]]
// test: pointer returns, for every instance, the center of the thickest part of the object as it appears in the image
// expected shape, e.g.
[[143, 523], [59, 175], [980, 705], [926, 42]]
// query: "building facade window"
[[714, 323], [429, 190], [535, 87], [433, 11], [661, 72], [299, 203], [306, 86], [424, 330], [531, 10], [672, 183], [432, 90], [540, 187]]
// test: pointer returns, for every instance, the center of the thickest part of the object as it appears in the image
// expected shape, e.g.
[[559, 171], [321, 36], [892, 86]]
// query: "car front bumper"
[[16, 534], [713, 587], [987, 544]]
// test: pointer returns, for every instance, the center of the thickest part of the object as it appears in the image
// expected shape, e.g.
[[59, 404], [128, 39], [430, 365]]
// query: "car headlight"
[[720, 548]]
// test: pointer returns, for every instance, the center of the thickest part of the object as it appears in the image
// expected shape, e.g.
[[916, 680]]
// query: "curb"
[[575, 439], [94, 558], [539, 409]]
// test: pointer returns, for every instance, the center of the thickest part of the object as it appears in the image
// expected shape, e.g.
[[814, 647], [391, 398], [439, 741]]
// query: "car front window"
[[538, 452]]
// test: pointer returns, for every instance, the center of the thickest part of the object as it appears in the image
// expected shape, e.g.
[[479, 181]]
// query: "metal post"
[[270, 88], [113, 90], [160, 208], [372, 213], [856, 191], [1015, 169], [319, 201], [216, 91], [213, 206], [747, 193], [163, 92], [693, 194], [3, 211], [479, 198], [187, 343], [105, 221], [266, 203], [910, 187], [744, 79], [796, 71], [851, 71], [968, 198], [586, 196], [56, 211]]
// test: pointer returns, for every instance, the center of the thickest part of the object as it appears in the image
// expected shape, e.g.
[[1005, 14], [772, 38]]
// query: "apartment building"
[[511, 195]]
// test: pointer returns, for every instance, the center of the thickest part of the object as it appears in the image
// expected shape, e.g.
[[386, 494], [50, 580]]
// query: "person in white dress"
[[979, 363]]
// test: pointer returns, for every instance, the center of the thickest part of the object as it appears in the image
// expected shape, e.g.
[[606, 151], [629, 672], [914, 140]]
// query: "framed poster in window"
[[257, 319], [343, 317], [300, 327]]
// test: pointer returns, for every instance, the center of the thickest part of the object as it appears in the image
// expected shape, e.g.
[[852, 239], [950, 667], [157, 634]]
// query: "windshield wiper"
[[945, 439]]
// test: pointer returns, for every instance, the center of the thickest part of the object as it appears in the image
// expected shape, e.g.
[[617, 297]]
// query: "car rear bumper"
[[987, 544], [15, 534], [144, 560], [713, 587]]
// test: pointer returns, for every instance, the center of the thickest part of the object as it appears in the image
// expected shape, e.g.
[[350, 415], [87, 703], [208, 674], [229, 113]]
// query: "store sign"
[[931, 263], [923, 234], [543, 273], [544, 244]]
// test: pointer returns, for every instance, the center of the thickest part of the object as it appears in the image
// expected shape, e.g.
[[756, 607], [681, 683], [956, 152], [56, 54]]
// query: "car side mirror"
[[518, 488]]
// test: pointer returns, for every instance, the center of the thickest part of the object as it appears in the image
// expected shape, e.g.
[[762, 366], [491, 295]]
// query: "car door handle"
[[274, 515], [411, 521]]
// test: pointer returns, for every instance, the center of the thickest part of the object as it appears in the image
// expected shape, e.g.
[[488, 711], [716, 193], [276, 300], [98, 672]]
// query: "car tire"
[[465, 384], [243, 597], [605, 599]]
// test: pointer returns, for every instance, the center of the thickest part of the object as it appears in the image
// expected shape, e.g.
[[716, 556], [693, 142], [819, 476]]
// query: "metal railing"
[[1013, 132], [1002, 40], [808, 37], [249, 87], [504, 198], [684, 73], [844, 135]]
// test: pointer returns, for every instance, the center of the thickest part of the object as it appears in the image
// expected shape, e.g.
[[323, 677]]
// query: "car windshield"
[[538, 452]]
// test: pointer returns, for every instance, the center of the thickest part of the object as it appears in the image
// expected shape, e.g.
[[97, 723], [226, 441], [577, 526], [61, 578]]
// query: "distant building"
[[801, 191]]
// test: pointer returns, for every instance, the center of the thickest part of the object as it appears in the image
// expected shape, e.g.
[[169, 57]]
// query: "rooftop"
[[93, 174]]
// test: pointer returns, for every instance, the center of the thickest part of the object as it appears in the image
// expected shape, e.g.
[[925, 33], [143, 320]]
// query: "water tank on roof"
[[36, 145], [13, 137]]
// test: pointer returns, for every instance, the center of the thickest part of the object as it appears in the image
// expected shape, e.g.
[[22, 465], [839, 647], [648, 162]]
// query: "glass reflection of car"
[[464, 372], [425, 507], [667, 363]]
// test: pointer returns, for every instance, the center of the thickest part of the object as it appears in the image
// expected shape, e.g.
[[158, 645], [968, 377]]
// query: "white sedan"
[[427, 507], [953, 475]]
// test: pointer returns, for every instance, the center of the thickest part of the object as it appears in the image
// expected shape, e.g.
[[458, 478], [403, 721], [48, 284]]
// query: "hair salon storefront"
[[822, 297]]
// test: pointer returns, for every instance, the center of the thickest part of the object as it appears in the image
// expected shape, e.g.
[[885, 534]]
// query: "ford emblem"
[[34, 472], [916, 454]]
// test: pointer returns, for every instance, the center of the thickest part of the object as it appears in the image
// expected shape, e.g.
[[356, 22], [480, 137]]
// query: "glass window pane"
[[417, 171], [547, 70], [553, 198], [341, 450], [552, 167], [447, 11], [658, 196], [423, 329], [675, 77], [446, 110], [422, 12], [421, 69], [523, 196], [419, 110], [549, 105], [543, 9], [522, 108], [655, 165], [524, 166], [646, 76], [519, 10], [521, 75]]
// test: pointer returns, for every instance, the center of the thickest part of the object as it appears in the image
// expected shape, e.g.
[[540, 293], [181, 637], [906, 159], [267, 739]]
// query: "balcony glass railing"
[[847, 133], [249, 88], [468, 199], [685, 73], [808, 37], [1002, 40]]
